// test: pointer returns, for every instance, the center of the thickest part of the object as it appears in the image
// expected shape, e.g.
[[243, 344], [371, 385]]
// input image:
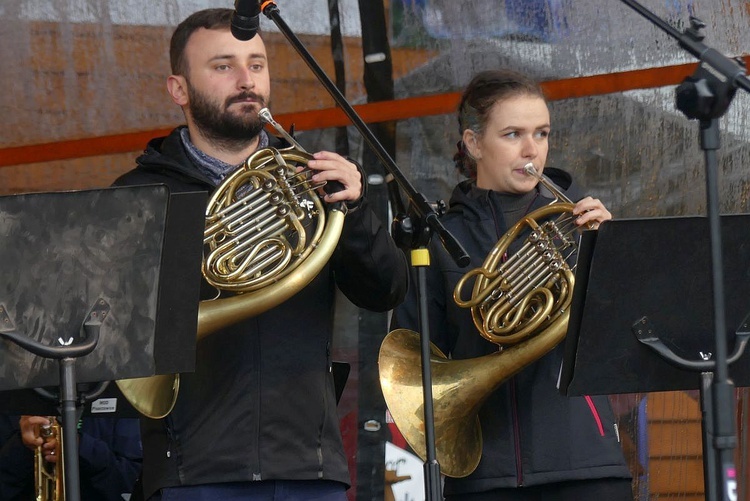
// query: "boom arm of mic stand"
[[691, 41], [419, 203]]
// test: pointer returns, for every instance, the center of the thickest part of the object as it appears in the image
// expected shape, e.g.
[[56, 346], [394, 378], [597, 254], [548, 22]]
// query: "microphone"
[[245, 19]]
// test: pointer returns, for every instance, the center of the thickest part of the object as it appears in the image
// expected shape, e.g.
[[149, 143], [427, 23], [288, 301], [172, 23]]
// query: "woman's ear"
[[472, 144], [177, 88]]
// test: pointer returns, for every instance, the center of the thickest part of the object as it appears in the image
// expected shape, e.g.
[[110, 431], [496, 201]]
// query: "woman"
[[538, 444]]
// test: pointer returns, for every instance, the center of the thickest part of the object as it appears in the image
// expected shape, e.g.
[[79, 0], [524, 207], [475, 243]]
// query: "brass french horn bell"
[[520, 303]]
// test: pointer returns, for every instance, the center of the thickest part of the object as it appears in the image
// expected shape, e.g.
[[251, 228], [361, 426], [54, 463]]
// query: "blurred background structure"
[[85, 90]]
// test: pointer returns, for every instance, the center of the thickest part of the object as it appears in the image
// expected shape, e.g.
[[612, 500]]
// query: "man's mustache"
[[244, 96]]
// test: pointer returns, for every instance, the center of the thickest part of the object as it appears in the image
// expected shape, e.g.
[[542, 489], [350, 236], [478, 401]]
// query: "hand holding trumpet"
[[35, 433]]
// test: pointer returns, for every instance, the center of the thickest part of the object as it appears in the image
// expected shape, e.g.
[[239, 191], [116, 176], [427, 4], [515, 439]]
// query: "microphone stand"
[[705, 96], [429, 224]]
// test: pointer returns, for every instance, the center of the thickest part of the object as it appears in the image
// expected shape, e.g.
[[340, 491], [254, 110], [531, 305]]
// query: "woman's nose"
[[530, 148]]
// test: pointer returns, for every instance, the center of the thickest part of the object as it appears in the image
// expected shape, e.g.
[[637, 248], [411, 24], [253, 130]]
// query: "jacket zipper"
[[512, 387], [172, 451], [329, 363], [516, 432], [170, 438], [595, 413], [256, 418]]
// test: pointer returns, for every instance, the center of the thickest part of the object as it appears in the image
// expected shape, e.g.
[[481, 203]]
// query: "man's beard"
[[226, 130]]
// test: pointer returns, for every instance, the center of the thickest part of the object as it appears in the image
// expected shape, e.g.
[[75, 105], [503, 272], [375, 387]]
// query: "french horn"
[[520, 303], [267, 236]]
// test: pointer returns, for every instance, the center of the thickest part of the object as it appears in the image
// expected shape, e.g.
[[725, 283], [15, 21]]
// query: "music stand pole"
[[66, 354]]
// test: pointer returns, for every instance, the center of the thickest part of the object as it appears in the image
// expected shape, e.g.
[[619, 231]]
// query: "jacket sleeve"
[[367, 265], [16, 462], [110, 456]]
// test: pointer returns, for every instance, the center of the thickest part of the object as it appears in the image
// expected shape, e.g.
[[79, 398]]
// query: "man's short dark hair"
[[210, 19]]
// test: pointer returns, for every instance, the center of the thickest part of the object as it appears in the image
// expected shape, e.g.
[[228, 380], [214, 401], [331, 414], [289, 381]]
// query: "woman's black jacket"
[[532, 434]]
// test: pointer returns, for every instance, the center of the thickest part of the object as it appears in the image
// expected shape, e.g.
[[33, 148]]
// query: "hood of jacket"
[[475, 209], [168, 155]]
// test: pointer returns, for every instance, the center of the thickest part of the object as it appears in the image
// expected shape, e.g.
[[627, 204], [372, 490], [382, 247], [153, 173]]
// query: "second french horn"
[[521, 303]]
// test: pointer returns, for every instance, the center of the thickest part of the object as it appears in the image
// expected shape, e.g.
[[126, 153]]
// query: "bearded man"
[[257, 419]]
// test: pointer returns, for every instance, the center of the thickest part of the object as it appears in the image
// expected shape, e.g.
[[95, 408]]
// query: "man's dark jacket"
[[261, 404], [532, 434]]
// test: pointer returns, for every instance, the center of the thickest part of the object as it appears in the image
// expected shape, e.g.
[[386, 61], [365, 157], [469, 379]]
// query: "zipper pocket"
[[170, 436], [595, 414]]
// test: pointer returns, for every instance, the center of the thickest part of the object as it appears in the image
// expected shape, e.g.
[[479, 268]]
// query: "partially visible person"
[[109, 452], [537, 443], [257, 419]]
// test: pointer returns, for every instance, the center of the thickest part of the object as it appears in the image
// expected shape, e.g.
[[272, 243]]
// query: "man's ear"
[[472, 144], [177, 88]]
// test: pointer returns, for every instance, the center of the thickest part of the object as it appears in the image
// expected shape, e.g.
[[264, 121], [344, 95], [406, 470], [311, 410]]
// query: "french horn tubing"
[[520, 303], [268, 234]]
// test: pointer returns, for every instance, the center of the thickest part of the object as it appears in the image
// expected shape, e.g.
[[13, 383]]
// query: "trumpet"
[[49, 478]]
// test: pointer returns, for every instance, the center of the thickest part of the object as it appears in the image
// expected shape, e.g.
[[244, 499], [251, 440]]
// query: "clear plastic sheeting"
[[586, 36], [634, 150], [78, 69], [306, 16], [73, 79], [83, 68]]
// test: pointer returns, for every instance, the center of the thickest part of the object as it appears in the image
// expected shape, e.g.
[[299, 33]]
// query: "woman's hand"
[[591, 213]]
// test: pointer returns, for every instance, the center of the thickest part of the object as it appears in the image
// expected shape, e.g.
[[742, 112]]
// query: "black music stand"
[[99, 285], [642, 295]]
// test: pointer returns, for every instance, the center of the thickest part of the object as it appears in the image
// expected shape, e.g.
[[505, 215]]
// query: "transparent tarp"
[[78, 69]]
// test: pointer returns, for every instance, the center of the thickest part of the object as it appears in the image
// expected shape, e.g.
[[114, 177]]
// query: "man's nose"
[[245, 79]]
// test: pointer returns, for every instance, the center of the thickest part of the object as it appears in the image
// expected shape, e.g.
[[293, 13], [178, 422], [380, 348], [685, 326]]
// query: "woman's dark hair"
[[210, 19], [480, 95]]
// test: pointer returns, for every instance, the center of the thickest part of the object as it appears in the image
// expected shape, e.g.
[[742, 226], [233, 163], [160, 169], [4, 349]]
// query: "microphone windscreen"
[[244, 28]]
